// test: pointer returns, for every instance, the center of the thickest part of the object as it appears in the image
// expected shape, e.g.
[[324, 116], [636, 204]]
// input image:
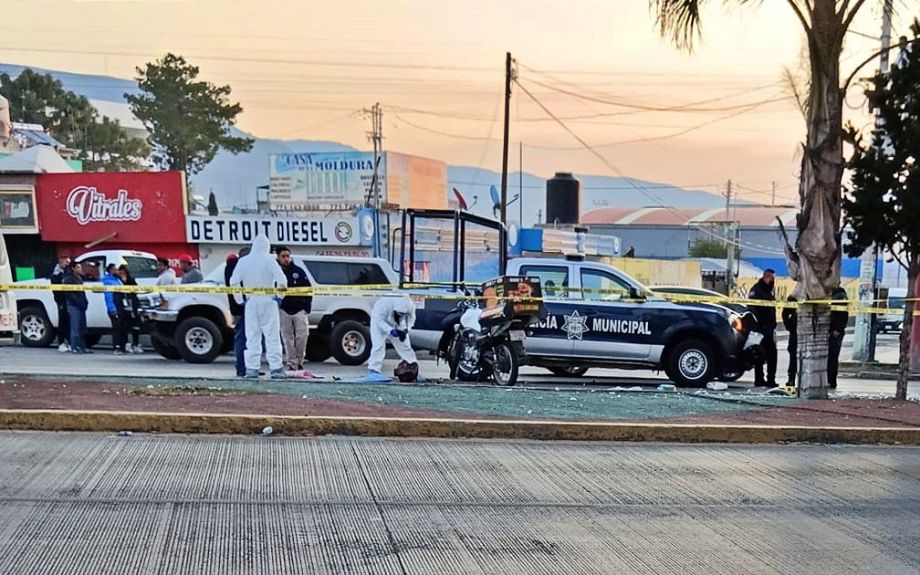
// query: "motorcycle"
[[482, 344]]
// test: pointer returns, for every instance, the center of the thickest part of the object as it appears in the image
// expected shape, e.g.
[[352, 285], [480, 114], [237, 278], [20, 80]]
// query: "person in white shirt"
[[261, 316], [166, 276]]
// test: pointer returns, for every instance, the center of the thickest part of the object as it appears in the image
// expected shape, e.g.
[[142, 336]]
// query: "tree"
[[100, 142], [815, 261], [213, 210], [189, 120], [110, 149], [884, 200], [710, 248]]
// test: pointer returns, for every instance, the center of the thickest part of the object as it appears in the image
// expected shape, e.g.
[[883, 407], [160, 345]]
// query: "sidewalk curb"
[[151, 422]]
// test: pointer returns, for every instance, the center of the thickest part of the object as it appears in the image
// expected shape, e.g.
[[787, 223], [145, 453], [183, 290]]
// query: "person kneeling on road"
[[260, 270], [391, 319]]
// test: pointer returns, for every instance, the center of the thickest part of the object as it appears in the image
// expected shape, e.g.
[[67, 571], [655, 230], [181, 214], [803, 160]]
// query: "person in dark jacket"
[[60, 300], [131, 306], [766, 320], [295, 309], [839, 318], [237, 311], [76, 309], [791, 321]]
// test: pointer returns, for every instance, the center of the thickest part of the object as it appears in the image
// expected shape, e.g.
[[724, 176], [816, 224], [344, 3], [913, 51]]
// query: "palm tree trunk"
[[904, 359], [818, 243], [814, 323]]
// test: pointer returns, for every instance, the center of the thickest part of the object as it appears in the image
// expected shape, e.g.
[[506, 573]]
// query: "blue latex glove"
[[277, 301], [394, 332]]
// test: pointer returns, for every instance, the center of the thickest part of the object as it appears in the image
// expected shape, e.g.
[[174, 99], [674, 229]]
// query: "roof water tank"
[[563, 199]]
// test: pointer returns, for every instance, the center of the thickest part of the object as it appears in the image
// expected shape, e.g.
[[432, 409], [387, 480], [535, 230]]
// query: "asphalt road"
[[98, 504], [22, 360]]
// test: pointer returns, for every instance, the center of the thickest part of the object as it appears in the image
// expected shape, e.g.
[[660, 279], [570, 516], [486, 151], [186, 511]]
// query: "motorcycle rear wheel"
[[505, 364]]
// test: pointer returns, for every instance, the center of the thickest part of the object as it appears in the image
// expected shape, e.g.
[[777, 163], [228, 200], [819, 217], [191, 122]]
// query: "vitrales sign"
[[86, 204], [123, 207], [238, 229]]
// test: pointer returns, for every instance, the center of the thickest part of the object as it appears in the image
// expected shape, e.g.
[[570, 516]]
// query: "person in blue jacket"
[[114, 304]]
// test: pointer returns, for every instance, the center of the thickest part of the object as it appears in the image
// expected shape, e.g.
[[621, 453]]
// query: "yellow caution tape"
[[381, 290]]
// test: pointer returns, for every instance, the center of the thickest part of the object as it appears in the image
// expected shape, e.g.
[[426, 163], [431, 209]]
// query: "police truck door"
[[549, 337], [613, 324]]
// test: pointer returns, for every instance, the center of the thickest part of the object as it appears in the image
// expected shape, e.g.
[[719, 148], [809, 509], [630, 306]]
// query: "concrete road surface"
[[31, 361], [97, 504]]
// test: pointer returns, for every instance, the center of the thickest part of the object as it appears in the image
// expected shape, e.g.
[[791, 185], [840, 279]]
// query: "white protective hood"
[[258, 269]]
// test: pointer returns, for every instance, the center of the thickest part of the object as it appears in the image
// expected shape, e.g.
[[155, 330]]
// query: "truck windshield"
[[141, 267]]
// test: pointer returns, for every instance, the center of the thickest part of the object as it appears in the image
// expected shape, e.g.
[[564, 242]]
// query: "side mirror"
[[634, 294]]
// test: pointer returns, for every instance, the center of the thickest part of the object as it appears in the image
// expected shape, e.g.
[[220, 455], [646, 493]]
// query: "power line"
[[688, 107], [304, 62], [629, 180]]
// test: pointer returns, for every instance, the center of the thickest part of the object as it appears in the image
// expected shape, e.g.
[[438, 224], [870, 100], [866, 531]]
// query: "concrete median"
[[149, 422]]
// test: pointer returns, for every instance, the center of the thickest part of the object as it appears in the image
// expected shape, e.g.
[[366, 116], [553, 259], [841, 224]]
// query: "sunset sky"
[[304, 69]]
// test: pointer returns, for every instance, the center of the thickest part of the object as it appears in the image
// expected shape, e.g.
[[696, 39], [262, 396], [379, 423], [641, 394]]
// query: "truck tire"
[[199, 340], [164, 349], [691, 363], [318, 349], [35, 328], [350, 342]]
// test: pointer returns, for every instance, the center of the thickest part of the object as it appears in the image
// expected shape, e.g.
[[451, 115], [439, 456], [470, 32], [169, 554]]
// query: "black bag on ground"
[[406, 372]]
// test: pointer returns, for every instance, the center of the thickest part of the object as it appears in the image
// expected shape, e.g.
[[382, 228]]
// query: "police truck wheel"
[[570, 371], [35, 328], [350, 342], [199, 340], [690, 363]]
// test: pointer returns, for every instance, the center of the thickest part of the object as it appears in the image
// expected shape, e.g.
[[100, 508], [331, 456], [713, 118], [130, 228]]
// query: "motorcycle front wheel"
[[505, 364]]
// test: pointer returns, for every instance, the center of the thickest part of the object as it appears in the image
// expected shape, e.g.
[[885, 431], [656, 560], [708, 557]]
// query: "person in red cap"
[[190, 272]]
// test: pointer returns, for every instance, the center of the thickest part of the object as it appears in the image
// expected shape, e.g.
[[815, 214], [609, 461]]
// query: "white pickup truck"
[[198, 327], [8, 327], [38, 313]]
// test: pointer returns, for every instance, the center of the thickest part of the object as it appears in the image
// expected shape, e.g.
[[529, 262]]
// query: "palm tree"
[[815, 261]]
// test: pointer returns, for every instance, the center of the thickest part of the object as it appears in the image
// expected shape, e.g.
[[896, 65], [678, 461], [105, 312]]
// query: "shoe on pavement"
[[137, 349], [279, 374], [252, 374], [63, 348]]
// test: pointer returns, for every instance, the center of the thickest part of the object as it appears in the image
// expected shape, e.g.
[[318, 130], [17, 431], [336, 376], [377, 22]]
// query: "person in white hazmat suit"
[[391, 319], [260, 269]]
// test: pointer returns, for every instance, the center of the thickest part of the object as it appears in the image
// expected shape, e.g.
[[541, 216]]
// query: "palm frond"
[[678, 19]]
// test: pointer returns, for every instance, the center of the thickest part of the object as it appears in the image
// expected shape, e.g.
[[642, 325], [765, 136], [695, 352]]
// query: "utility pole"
[[864, 338], [773, 196], [502, 235], [520, 185], [376, 138], [729, 242]]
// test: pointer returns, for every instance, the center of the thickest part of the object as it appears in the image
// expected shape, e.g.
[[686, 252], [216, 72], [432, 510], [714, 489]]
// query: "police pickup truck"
[[597, 316]]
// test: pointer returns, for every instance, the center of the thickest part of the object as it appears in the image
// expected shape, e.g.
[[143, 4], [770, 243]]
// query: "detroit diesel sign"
[[231, 229]]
